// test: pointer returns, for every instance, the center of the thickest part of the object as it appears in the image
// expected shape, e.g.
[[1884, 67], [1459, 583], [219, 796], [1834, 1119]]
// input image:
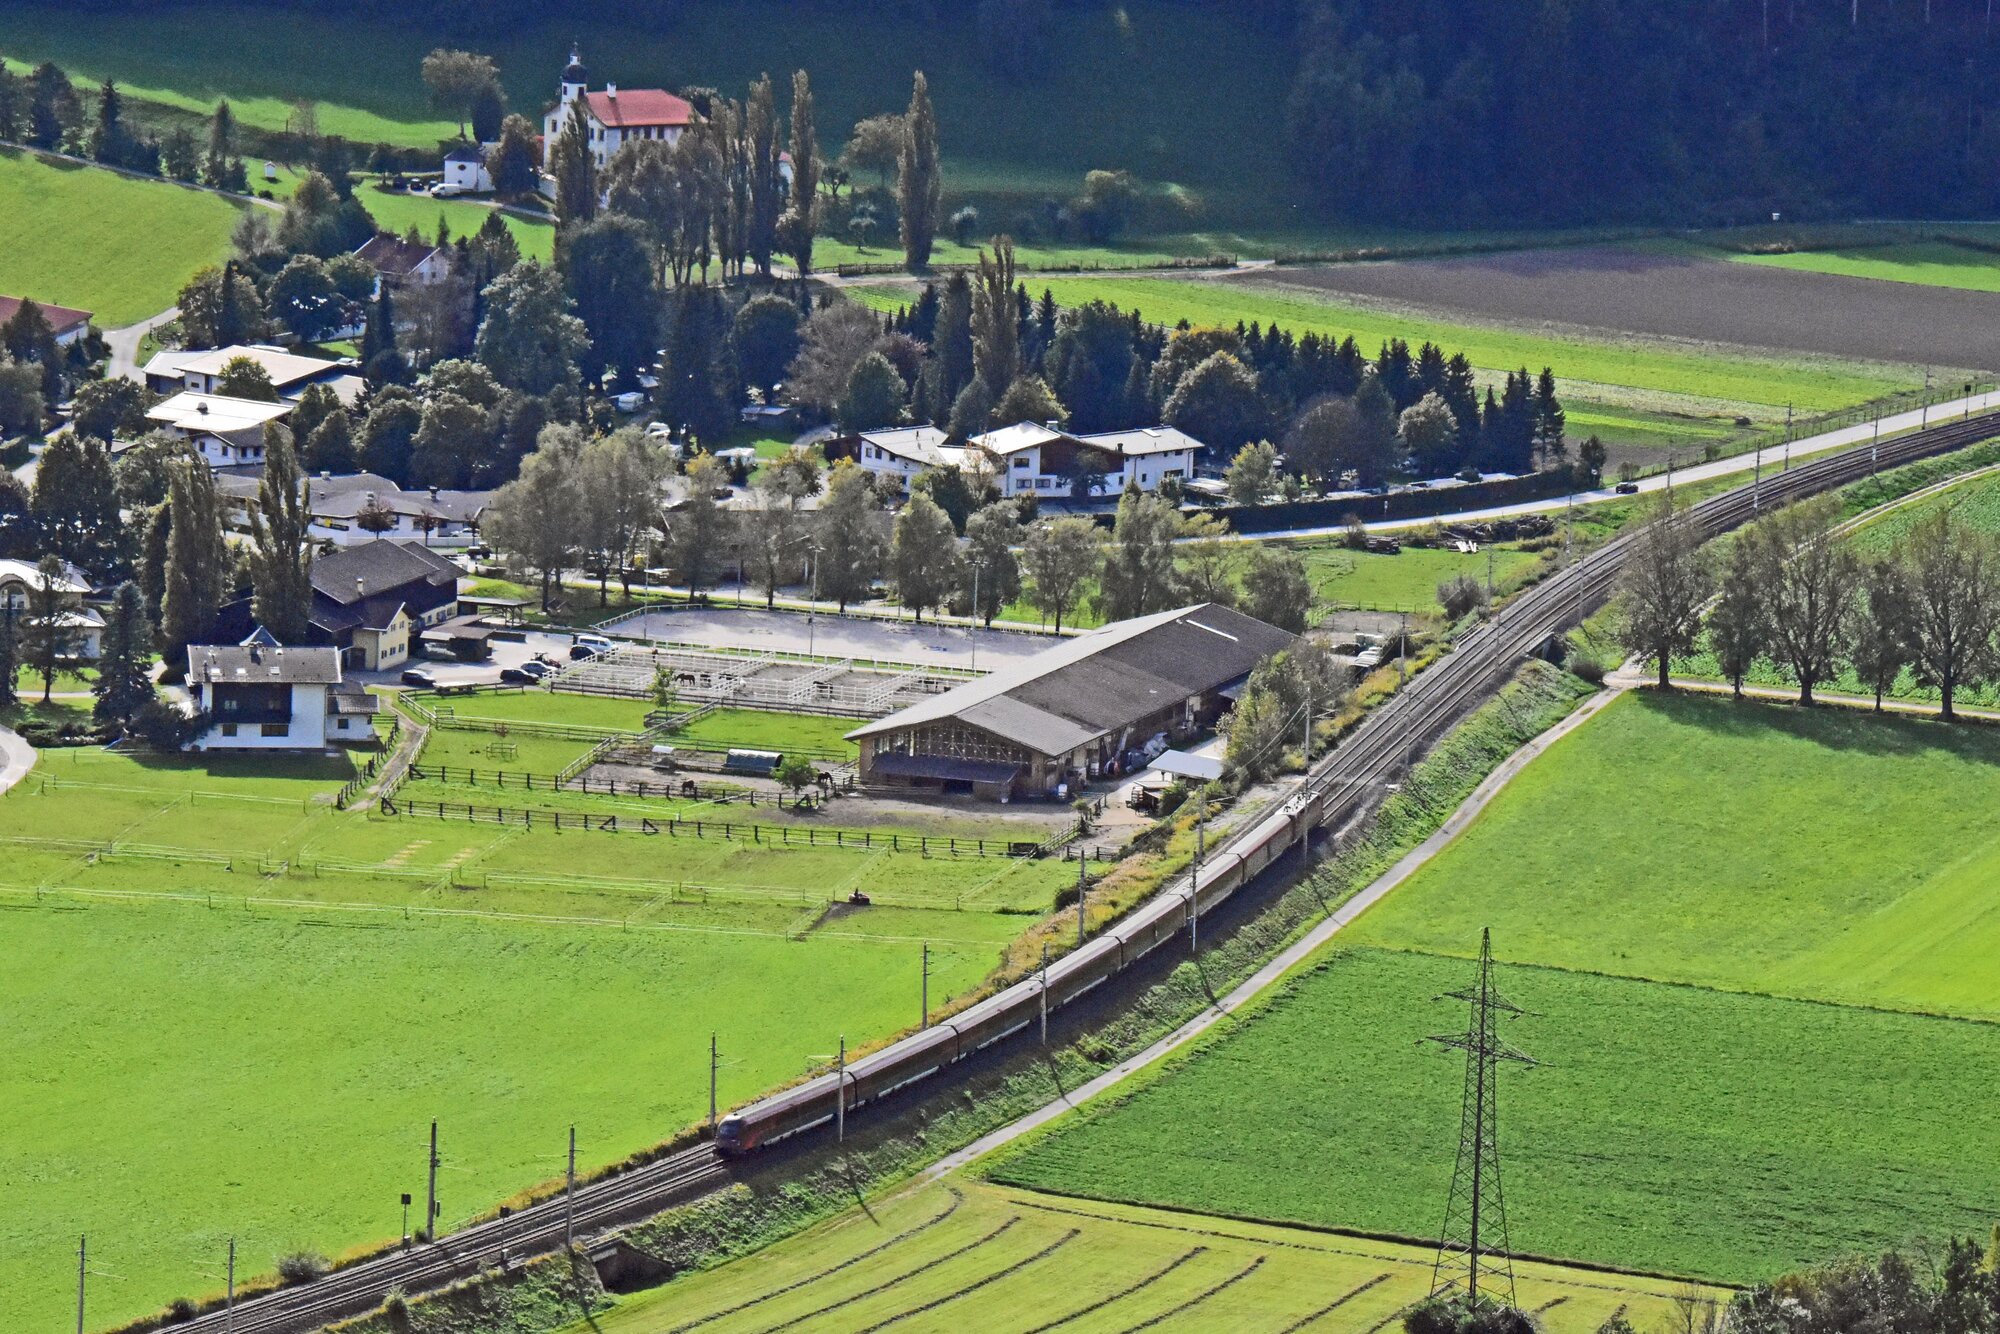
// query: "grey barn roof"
[[253, 664], [1095, 684]]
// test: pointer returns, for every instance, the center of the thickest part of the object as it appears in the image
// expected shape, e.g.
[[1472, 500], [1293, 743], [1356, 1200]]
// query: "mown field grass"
[[1590, 366], [1827, 855], [916, 1257], [247, 1006], [396, 211], [1671, 1128], [1408, 580], [758, 729], [94, 240], [1926, 263]]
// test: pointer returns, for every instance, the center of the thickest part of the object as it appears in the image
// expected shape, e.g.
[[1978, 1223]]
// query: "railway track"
[[1340, 790]]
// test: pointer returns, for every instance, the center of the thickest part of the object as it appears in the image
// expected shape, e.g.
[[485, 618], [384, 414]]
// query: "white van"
[[595, 643]]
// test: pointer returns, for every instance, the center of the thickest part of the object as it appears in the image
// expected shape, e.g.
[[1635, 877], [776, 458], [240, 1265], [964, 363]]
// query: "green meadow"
[[94, 240]]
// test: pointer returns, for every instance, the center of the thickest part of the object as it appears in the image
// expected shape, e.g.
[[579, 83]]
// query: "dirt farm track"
[[1674, 295]]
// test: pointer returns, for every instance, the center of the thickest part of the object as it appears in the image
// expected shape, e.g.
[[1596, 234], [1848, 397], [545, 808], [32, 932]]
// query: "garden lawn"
[[534, 704], [1408, 580], [1830, 855], [89, 238], [1670, 1128], [941, 1255], [247, 1006]]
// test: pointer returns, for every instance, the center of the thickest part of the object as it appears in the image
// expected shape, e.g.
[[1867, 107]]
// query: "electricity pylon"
[[1472, 1247]]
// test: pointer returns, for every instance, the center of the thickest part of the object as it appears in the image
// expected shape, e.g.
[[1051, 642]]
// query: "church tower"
[[575, 78]]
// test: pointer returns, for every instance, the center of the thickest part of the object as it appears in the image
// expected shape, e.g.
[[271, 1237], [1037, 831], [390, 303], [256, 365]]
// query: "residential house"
[[225, 432], [200, 372], [21, 582], [1042, 460], [400, 262], [900, 452], [262, 695], [435, 517], [612, 116], [69, 325]]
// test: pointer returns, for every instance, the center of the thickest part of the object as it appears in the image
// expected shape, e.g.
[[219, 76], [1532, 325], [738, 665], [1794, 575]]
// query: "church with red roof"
[[613, 115]]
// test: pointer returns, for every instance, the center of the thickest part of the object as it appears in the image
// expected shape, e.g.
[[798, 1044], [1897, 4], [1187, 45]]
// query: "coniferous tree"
[[107, 138], [10, 658], [1549, 420], [221, 168], [125, 661], [51, 634], [919, 182], [76, 506], [281, 554]]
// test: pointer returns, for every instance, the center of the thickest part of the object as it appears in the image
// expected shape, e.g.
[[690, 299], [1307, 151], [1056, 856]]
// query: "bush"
[[1586, 668], [180, 1310], [163, 726], [301, 1267], [1460, 596]]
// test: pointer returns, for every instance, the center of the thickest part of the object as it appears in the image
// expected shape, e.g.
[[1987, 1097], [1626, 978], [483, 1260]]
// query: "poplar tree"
[[222, 169], [801, 223], [281, 555], [919, 184], [197, 563], [575, 170], [766, 185]]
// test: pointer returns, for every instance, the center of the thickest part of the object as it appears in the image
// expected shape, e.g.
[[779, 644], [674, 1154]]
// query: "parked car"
[[419, 678], [581, 653], [527, 674], [596, 643]]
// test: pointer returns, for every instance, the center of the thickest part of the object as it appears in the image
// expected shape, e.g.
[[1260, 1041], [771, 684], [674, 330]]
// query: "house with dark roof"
[[399, 262], [261, 695], [372, 601], [1075, 711]]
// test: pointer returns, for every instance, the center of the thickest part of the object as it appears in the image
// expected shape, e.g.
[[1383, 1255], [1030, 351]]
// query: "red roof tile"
[[61, 318], [640, 106]]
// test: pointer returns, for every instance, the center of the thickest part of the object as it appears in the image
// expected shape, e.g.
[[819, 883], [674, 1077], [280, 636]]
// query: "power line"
[[1472, 1246]]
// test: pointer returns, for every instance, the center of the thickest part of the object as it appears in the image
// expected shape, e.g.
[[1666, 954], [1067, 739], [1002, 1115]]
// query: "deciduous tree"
[[457, 79], [919, 180], [1809, 578], [925, 557], [991, 573], [531, 338], [1139, 572], [849, 537], [281, 551], [197, 571], [50, 633], [1664, 584], [1953, 574], [538, 515], [1276, 588], [1252, 474], [1061, 558], [1739, 629]]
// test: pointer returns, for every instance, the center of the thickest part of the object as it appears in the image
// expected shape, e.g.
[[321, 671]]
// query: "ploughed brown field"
[[1682, 295]]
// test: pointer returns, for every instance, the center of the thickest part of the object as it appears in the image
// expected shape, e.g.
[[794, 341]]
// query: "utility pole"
[[569, 1198], [1079, 896], [924, 1017], [229, 1301], [975, 618], [840, 1094], [1757, 480], [711, 1085], [1045, 993], [431, 1191], [1476, 1211], [1402, 644], [1489, 571], [1788, 437], [82, 1249]]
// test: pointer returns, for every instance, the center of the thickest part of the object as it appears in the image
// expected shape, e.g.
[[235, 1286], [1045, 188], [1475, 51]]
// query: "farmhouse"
[[264, 696], [370, 601], [68, 325], [20, 581], [348, 509], [1073, 712], [399, 262], [611, 116], [200, 372]]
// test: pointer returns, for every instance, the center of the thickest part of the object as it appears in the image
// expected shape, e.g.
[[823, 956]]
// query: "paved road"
[[124, 343], [833, 636]]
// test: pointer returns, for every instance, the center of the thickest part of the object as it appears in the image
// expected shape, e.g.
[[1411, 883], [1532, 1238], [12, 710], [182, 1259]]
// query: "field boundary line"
[[886, 1284], [996, 1276], [1343, 1299], [957, 1198], [1128, 1290], [1295, 954], [1200, 1297]]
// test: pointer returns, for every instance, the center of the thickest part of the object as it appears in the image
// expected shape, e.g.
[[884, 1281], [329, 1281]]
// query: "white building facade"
[[612, 117]]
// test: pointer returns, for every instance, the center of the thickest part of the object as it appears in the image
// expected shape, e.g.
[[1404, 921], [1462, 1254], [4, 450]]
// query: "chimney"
[[611, 91], [360, 587], [1054, 425], [201, 408]]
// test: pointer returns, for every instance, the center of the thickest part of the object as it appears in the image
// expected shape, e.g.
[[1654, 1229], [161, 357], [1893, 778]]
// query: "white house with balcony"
[[1043, 460], [225, 432], [263, 695]]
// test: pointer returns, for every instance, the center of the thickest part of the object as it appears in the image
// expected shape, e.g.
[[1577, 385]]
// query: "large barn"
[[1066, 715]]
